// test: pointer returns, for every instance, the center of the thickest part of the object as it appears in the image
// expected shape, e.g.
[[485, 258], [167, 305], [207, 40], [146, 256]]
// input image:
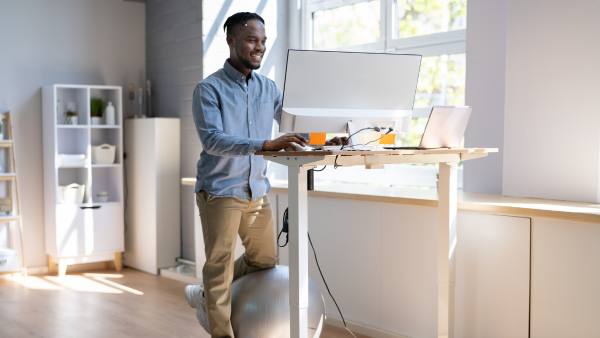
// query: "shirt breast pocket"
[[265, 112]]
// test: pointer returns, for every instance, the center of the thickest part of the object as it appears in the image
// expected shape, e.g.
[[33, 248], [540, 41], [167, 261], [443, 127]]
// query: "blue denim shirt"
[[234, 117]]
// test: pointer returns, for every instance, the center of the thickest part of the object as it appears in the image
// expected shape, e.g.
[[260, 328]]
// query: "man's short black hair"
[[239, 19]]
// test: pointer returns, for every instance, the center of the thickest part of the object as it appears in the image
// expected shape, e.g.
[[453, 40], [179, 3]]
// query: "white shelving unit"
[[11, 228], [91, 229]]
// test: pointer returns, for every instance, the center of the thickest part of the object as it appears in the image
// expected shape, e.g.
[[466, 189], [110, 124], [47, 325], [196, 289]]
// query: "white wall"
[[59, 41], [552, 121], [532, 79]]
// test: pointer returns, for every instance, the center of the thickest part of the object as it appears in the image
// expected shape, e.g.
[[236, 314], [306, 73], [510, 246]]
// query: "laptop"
[[445, 128]]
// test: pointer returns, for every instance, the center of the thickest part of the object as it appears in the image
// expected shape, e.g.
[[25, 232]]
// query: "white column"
[[447, 196], [298, 223]]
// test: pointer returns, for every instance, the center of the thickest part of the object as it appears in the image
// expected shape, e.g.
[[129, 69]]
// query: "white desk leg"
[[298, 219], [447, 196]]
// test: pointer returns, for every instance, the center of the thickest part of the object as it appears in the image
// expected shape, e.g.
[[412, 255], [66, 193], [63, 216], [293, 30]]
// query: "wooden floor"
[[101, 304]]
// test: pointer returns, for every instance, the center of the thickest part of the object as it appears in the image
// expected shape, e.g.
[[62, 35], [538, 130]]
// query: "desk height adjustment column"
[[446, 244], [298, 231]]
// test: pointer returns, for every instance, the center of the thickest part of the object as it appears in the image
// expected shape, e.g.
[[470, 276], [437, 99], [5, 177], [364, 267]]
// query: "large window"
[[346, 25], [432, 28]]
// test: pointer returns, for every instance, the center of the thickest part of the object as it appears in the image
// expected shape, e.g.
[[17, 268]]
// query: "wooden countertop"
[[493, 204]]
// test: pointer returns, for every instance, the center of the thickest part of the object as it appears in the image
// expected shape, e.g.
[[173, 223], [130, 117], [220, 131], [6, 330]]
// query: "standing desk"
[[298, 162]]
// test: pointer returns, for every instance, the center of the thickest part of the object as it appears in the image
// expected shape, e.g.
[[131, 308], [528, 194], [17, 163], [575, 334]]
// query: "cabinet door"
[[492, 276], [108, 228], [565, 279], [74, 231], [82, 232]]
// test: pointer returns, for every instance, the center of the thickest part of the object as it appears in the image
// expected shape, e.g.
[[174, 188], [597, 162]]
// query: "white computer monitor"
[[324, 90]]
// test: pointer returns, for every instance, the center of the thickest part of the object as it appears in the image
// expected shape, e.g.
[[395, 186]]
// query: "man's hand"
[[283, 142], [337, 141]]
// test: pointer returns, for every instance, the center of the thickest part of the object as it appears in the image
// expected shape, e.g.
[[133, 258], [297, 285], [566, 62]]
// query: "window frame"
[[451, 42]]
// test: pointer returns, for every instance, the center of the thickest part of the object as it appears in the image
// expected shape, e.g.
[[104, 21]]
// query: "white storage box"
[[71, 194], [71, 160], [103, 154]]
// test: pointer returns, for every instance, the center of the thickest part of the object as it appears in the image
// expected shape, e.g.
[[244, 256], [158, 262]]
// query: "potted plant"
[[96, 110], [71, 115]]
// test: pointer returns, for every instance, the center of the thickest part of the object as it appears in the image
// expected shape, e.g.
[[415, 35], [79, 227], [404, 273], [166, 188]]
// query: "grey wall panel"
[[174, 53]]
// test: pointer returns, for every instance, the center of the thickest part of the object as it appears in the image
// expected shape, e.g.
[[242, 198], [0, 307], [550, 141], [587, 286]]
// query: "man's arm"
[[209, 125]]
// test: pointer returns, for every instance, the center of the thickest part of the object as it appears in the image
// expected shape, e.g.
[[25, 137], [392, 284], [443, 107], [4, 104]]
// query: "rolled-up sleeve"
[[278, 105], [209, 125]]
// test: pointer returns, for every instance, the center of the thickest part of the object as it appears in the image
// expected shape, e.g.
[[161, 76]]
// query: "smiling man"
[[233, 110]]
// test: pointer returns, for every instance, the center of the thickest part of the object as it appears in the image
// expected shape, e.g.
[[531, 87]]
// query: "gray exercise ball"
[[260, 305]]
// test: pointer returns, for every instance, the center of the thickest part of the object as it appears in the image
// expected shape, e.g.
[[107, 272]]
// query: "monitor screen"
[[325, 89]]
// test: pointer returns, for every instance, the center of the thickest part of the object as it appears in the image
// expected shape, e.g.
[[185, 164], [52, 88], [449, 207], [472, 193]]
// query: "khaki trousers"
[[223, 219]]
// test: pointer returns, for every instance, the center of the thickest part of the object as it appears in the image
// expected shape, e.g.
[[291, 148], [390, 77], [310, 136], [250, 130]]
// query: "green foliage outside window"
[[421, 17]]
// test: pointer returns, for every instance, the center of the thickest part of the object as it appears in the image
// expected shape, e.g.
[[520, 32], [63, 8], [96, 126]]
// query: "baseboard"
[[173, 273], [364, 329]]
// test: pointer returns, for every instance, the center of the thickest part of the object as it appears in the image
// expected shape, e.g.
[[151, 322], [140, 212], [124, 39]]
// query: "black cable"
[[325, 282], [375, 140], [335, 164], [285, 228], [320, 169], [345, 143], [356, 132]]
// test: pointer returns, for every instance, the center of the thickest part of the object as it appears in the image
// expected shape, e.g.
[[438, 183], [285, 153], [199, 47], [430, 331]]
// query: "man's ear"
[[229, 40]]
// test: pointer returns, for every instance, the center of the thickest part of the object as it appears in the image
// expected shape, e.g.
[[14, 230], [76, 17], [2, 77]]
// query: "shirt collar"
[[235, 74]]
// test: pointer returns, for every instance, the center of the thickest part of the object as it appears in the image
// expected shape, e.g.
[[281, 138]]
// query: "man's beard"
[[249, 65]]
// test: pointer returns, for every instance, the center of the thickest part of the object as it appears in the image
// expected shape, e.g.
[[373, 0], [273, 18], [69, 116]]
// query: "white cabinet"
[[152, 148], [83, 196], [379, 261]]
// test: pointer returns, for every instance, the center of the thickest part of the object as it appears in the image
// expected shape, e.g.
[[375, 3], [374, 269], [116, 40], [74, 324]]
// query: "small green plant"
[[96, 107]]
